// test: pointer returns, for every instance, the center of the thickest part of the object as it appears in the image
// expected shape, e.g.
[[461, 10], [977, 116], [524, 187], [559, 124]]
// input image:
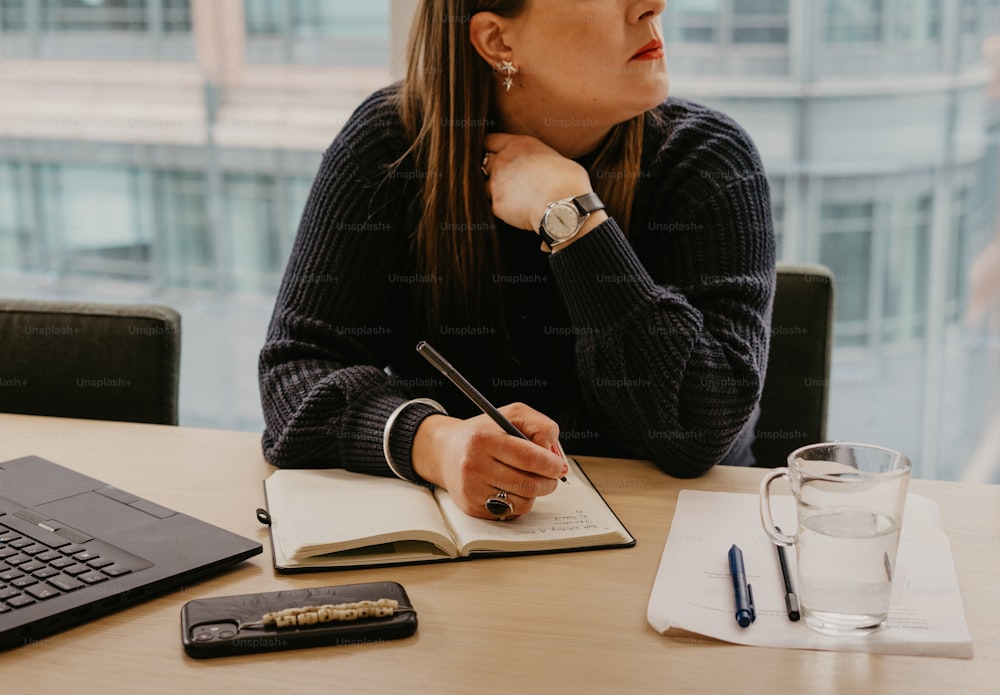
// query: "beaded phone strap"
[[328, 613]]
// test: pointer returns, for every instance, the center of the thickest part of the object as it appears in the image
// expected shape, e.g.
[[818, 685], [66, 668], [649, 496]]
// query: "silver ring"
[[486, 161], [498, 506]]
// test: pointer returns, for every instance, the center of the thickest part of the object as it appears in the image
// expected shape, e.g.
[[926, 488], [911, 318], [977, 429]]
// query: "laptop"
[[73, 548]]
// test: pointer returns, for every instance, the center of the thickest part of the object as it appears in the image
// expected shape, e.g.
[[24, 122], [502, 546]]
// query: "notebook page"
[[322, 511], [575, 515]]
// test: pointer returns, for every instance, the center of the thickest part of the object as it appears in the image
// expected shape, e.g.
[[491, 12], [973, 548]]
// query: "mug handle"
[[766, 520]]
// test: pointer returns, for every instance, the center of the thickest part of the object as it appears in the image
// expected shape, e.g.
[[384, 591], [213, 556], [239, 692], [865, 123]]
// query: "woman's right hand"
[[473, 459]]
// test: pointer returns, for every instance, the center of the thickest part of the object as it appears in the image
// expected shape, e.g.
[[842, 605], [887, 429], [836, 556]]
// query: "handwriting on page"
[[546, 523]]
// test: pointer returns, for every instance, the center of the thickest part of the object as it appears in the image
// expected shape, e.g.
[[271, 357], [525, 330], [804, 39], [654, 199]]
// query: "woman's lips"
[[651, 51]]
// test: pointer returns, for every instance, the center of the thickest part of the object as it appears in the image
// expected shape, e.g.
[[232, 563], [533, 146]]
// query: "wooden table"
[[565, 623]]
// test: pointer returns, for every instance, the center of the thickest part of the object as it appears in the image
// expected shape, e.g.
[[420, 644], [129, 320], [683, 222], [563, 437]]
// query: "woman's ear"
[[488, 33]]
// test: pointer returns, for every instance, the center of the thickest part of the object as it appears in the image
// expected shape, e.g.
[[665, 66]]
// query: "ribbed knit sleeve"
[[325, 395], [672, 324]]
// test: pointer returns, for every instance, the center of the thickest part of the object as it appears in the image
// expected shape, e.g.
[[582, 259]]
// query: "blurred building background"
[[161, 150]]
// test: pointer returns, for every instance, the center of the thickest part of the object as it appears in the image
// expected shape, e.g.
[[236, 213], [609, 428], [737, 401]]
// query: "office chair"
[[89, 360], [793, 406]]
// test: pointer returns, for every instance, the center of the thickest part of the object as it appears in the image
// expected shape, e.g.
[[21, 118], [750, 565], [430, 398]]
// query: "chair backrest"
[[89, 360], [793, 406]]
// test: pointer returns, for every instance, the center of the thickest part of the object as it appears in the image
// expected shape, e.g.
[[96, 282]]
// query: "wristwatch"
[[564, 218]]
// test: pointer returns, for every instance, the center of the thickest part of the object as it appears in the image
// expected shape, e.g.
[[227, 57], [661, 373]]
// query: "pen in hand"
[[745, 612], [444, 366], [791, 600]]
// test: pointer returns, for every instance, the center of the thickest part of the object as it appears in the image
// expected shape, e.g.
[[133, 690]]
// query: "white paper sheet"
[[693, 589]]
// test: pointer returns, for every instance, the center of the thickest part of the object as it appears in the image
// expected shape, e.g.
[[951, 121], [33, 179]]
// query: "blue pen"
[[745, 613]]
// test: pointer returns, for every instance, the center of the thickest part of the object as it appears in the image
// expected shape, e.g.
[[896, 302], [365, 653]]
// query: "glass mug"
[[849, 504]]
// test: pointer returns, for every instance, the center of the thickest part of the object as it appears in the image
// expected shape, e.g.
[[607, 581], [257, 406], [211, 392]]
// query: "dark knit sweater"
[[648, 347]]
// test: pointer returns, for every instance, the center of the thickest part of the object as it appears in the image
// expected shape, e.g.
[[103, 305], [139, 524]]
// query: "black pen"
[[791, 600], [444, 366], [745, 613]]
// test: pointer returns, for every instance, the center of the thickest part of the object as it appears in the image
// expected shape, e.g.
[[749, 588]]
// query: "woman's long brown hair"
[[448, 104]]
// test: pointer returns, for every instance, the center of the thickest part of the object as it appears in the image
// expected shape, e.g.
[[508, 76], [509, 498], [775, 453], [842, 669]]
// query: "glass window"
[[13, 215], [13, 15], [760, 34], [907, 269], [94, 15], [760, 21], [917, 21], [185, 248], [262, 217], [854, 21], [344, 19], [991, 16], [692, 21], [846, 248], [976, 246], [266, 16], [176, 15], [753, 36], [318, 32], [170, 16], [97, 30], [960, 256], [968, 16], [95, 215], [251, 228], [760, 7]]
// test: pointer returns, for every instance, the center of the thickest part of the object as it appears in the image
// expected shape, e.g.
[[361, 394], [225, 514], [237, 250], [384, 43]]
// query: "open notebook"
[[332, 518]]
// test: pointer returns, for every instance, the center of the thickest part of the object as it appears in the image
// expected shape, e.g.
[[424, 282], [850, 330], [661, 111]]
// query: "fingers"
[[518, 506], [540, 429], [510, 463], [494, 142], [537, 427], [478, 478], [482, 460], [532, 456]]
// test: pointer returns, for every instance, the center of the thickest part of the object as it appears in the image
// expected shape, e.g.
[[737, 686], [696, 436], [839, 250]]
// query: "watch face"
[[561, 221]]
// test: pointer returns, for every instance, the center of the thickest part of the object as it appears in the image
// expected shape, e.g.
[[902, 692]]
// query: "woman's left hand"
[[525, 175]]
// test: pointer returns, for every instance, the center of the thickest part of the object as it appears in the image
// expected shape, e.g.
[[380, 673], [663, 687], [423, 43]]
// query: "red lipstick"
[[651, 51]]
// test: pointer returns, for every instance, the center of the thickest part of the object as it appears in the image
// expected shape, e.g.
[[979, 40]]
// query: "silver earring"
[[508, 70]]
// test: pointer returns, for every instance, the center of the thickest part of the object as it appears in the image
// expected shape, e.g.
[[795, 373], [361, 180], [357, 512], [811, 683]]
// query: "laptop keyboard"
[[36, 565]]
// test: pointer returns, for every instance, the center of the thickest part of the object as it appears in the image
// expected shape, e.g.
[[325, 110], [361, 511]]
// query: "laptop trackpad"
[[96, 514], [31, 480]]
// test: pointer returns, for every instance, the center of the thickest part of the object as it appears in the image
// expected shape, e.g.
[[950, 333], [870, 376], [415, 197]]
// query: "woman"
[[598, 258]]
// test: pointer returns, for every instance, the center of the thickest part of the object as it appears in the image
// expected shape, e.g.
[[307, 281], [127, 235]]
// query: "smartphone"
[[230, 625]]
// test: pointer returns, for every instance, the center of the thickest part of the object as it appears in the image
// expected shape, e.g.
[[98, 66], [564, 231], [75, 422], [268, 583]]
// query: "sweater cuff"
[[362, 433], [404, 429], [602, 278]]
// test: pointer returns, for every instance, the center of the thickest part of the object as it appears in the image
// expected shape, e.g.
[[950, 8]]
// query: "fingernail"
[[565, 468]]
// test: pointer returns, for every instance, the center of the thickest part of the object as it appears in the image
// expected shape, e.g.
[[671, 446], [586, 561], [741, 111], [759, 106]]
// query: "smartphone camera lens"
[[207, 633]]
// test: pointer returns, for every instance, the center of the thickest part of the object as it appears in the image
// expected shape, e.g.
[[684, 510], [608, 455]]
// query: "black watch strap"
[[588, 203]]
